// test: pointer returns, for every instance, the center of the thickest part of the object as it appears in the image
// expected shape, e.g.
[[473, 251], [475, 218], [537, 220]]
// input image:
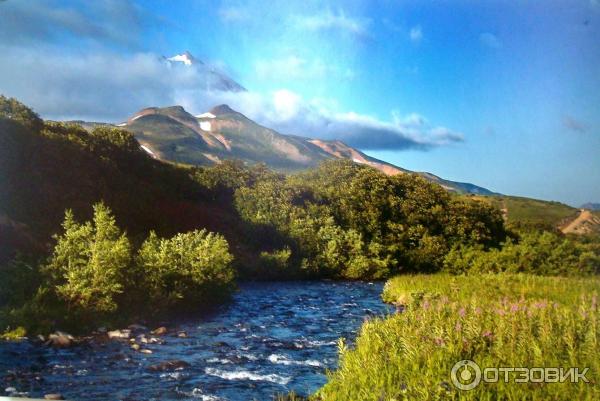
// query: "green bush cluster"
[[190, 269], [94, 277], [534, 252], [500, 320], [352, 221]]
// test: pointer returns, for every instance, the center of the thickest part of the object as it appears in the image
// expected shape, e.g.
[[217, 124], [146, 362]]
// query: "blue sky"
[[503, 94]]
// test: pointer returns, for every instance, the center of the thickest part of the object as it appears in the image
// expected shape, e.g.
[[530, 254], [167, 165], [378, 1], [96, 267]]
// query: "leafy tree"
[[190, 270], [90, 262], [120, 138], [12, 109]]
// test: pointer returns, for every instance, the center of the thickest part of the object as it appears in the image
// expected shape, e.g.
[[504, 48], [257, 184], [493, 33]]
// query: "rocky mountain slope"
[[173, 134]]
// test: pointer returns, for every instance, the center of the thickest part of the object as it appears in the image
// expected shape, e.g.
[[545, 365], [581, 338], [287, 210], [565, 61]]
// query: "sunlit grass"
[[496, 321]]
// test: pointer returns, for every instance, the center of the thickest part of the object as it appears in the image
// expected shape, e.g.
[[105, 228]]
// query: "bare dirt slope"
[[585, 223]]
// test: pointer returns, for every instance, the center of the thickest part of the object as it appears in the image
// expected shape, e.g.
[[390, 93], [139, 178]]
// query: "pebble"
[[53, 397], [146, 351]]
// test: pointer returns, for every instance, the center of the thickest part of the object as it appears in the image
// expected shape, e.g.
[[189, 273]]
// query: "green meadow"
[[503, 320]]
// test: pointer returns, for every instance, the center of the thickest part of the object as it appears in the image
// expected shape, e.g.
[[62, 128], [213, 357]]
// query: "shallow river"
[[272, 338]]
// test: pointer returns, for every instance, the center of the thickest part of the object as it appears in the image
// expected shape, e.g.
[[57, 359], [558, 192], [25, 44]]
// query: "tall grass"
[[494, 320]]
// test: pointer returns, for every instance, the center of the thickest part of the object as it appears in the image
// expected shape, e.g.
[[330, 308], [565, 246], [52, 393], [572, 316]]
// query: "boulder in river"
[[60, 339], [119, 334], [169, 365], [161, 331]]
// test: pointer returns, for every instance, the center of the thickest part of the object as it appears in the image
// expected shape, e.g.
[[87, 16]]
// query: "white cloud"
[[294, 67], [416, 34], [289, 113], [22, 22], [339, 22], [111, 87], [233, 14], [412, 119], [490, 40]]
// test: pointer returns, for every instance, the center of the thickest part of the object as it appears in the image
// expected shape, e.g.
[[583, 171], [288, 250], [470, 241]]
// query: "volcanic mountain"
[[212, 77], [173, 134]]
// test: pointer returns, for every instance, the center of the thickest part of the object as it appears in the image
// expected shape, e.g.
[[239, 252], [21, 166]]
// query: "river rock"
[[53, 397], [169, 365], [161, 331], [60, 340], [119, 334], [146, 351], [182, 334], [137, 328], [135, 347], [10, 390]]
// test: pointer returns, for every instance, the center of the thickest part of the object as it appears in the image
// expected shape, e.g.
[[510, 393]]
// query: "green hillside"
[[532, 213]]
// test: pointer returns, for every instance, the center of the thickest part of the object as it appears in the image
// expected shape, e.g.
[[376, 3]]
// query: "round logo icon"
[[465, 374]]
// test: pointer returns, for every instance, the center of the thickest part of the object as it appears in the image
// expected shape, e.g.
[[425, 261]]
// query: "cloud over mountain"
[[106, 86]]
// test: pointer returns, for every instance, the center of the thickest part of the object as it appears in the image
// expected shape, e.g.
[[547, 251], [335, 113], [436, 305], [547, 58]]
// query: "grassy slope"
[[495, 320], [532, 212], [170, 139]]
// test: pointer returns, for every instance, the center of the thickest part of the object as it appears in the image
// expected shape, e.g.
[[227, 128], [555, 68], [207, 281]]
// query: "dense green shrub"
[[543, 253], [93, 279], [190, 270], [277, 260]]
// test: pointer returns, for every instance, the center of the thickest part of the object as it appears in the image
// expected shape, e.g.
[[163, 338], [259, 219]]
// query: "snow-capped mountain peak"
[[186, 58]]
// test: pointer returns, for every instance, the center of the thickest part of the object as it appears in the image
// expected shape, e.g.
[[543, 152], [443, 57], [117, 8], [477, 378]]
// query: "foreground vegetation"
[[157, 239], [499, 320], [94, 277]]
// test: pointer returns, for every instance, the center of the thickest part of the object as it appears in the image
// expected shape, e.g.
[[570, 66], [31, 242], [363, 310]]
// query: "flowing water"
[[273, 338]]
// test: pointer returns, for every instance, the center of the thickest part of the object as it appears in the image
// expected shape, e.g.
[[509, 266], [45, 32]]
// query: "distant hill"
[[173, 134], [535, 213], [591, 206]]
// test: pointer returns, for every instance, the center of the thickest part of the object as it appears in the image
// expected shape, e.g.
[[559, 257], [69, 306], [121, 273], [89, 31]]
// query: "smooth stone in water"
[[161, 331], [60, 339], [53, 397], [119, 334], [168, 365]]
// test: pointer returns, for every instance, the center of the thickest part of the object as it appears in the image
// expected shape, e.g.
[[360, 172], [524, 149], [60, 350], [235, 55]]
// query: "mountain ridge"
[[173, 134]]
